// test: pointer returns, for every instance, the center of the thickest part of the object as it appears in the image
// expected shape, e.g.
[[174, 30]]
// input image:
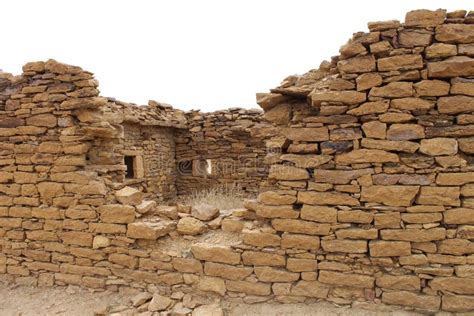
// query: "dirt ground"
[[72, 301]]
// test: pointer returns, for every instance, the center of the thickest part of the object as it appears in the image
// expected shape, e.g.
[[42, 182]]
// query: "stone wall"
[[223, 148], [376, 173], [371, 157]]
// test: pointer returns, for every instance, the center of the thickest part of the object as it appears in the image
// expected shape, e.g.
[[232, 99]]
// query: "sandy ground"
[[22, 300]]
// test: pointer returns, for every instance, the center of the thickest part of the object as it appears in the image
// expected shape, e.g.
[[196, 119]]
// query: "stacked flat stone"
[[375, 177]]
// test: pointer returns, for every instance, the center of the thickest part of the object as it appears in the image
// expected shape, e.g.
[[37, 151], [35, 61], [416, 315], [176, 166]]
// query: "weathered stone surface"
[[159, 303], [257, 258], [401, 62], [452, 67], [267, 274], [422, 218], [214, 253], [406, 298], [226, 271], [326, 198], [300, 227], [355, 216], [280, 114], [357, 233], [425, 18], [368, 80], [357, 64], [375, 129], [346, 279], [431, 88], [280, 211], [439, 196], [208, 310], [211, 284], [457, 303], [260, 239], [456, 247], [310, 289], [380, 248], [340, 176], [205, 212], [412, 104], [453, 284], [347, 246], [413, 234], [274, 198], [247, 287], [129, 195], [149, 230], [439, 146], [456, 104], [268, 101], [399, 282], [458, 178], [345, 97], [455, 33], [306, 161], [440, 50], [322, 214], [366, 156], [459, 216], [117, 213], [300, 241], [405, 132], [370, 108], [393, 195], [415, 37], [310, 134], [190, 226], [462, 86], [390, 145], [284, 172]]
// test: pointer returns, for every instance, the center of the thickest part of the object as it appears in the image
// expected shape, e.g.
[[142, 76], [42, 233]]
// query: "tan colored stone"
[[456, 247], [322, 214], [380, 248], [345, 97], [462, 86], [368, 80], [258, 258], [306, 161], [357, 64], [280, 114], [355, 216], [422, 218], [187, 265], [326, 198], [116, 213], [300, 241], [439, 196], [310, 134], [280, 211], [190, 226], [370, 108], [205, 212], [214, 253], [345, 246], [455, 104], [414, 234], [284, 172], [439, 146], [466, 145], [149, 230], [42, 120], [267, 274], [352, 49], [406, 298], [392, 195], [405, 132], [455, 33], [400, 62], [375, 129], [432, 88], [260, 239], [453, 284], [340, 176], [393, 90], [366, 156], [129, 195], [300, 227], [76, 238], [390, 145], [415, 37], [452, 67], [274, 198], [425, 18], [457, 303], [399, 282], [459, 216], [411, 104], [459, 178], [346, 279], [268, 101], [310, 289], [226, 271], [357, 233], [251, 288]]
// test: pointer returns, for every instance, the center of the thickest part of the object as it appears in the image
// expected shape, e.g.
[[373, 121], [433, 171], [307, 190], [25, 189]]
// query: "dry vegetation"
[[223, 197]]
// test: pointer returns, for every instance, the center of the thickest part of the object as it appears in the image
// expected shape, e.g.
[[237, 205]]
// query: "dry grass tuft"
[[224, 197]]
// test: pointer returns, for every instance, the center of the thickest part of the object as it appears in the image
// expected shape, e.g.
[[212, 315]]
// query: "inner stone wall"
[[230, 143]]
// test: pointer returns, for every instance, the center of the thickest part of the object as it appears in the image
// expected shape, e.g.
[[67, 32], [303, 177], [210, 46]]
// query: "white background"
[[192, 54]]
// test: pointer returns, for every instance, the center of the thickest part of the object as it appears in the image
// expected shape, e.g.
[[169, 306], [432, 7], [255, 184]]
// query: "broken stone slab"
[[129, 195], [149, 230], [205, 212], [190, 226]]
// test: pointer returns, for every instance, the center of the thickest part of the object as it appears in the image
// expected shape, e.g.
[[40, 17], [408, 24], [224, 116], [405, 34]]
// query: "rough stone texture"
[[364, 169]]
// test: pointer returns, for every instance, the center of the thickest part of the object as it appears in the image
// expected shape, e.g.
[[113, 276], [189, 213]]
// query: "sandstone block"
[[346, 279], [380, 248], [280, 211], [258, 258], [267, 274], [455, 33], [76, 238], [439, 146], [190, 226], [431, 88], [247, 287], [306, 161], [392, 195], [346, 246], [345, 97], [393, 90], [274, 198], [226, 271], [415, 37], [116, 213], [326, 198], [300, 227], [459, 216], [368, 80], [284, 172], [205, 212], [414, 234], [221, 254], [300, 241], [405, 298], [425, 18], [399, 282], [357, 233], [260, 239], [129, 195], [355, 216], [357, 64], [301, 265], [453, 284], [389, 145], [400, 62], [149, 230], [405, 132], [457, 303], [455, 104], [159, 303], [310, 289], [456, 247], [308, 134], [439, 196], [187, 265], [322, 214], [452, 67], [366, 156], [375, 129]]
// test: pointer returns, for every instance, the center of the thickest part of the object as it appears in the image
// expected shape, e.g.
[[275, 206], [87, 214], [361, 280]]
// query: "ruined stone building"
[[364, 168]]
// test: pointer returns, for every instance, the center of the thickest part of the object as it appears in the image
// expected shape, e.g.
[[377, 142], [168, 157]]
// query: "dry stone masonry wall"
[[376, 176], [369, 195]]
